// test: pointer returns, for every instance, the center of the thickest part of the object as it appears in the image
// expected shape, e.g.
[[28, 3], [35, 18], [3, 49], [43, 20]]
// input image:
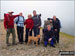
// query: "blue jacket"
[[20, 21]]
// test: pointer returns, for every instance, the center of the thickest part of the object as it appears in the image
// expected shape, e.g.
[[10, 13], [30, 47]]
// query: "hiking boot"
[[52, 46], [8, 44]]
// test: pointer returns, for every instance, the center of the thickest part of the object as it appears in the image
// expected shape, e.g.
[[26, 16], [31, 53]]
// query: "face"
[[51, 21], [10, 14], [54, 17], [20, 14], [29, 16], [34, 13], [48, 27]]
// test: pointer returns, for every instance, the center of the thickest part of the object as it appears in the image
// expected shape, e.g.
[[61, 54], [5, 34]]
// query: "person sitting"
[[47, 22], [48, 36]]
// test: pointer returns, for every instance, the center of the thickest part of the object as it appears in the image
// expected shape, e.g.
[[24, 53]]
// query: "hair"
[[54, 15], [48, 26], [34, 10]]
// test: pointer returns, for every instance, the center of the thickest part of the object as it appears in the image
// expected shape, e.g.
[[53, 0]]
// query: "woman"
[[29, 25]]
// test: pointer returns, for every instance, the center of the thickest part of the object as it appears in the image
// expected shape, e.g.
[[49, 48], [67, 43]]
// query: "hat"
[[10, 12], [49, 18]]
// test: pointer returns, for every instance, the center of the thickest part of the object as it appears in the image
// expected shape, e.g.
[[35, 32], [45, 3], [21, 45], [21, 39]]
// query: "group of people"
[[51, 29]]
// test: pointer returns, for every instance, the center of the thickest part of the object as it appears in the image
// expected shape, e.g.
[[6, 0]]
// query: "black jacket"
[[56, 24], [48, 34]]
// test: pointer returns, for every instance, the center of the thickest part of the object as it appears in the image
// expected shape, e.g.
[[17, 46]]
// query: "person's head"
[[29, 16], [54, 18], [10, 13], [21, 14], [50, 20], [48, 27], [34, 12]]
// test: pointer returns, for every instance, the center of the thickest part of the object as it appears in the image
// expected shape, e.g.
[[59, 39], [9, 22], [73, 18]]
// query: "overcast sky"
[[64, 10]]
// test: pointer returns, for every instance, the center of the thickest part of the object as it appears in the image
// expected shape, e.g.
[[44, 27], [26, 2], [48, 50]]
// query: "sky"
[[64, 10]]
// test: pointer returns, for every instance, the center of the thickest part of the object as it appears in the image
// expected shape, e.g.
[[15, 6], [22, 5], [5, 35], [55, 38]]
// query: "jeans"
[[36, 32]]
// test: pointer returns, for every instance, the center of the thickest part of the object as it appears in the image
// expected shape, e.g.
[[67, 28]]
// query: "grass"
[[67, 35]]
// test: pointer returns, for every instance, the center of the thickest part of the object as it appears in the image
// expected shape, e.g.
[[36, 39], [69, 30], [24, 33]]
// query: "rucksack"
[[18, 20]]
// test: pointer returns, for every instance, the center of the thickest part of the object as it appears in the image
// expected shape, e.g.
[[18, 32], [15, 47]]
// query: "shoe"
[[8, 44], [26, 42], [52, 45], [21, 42], [14, 44], [45, 45]]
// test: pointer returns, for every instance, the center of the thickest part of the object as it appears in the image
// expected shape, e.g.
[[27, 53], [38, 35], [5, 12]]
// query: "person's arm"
[[59, 24], [45, 35], [5, 21], [15, 20], [39, 21], [15, 16], [51, 34], [32, 24], [45, 32], [25, 22]]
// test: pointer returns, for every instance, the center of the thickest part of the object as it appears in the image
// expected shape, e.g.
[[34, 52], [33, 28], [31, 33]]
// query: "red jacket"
[[29, 23], [9, 21]]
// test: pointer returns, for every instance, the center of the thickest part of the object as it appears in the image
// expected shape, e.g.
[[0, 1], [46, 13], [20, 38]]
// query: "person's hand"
[[50, 39], [6, 29], [29, 29], [55, 29]]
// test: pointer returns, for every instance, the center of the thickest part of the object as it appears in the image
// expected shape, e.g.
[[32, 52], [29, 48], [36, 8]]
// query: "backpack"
[[18, 20]]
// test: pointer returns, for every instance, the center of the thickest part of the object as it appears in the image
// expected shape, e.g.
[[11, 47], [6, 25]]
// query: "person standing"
[[56, 27], [29, 26], [20, 27], [9, 26], [37, 24]]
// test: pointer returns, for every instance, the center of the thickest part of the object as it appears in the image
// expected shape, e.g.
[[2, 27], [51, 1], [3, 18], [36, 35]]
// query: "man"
[[29, 26], [20, 27], [56, 27], [48, 36], [9, 26], [37, 24]]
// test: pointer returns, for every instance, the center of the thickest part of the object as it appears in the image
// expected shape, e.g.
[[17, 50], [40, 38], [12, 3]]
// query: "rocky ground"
[[66, 44]]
